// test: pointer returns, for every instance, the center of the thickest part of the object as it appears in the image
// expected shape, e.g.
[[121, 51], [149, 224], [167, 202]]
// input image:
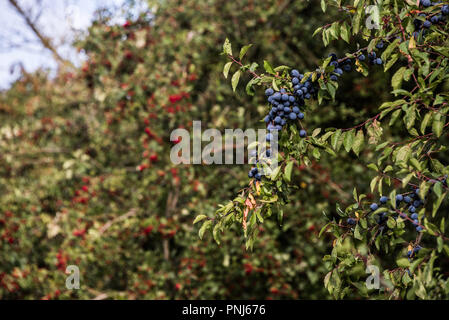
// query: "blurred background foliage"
[[85, 171]]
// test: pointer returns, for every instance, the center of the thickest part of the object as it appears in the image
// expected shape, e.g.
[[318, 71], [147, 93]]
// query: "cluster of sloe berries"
[[254, 173], [285, 107], [414, 251], [410, 201], [421, 26], [339, 67]]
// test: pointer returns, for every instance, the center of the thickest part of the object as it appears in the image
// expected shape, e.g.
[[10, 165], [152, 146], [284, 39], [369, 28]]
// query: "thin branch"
[[44, 40]]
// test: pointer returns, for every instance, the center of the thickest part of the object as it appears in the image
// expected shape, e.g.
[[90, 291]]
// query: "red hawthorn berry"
[[175, 98], [153, 157], [62, 262], [85, 188], [10, 240], [148, 132], [79, 233], [148, 230], [248, 268], [127, 24], [174, 171], [171, 110], [146, 121], [178, 286], [171, 233], [128, 54]]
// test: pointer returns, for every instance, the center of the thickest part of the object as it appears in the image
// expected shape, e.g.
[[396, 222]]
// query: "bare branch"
[[44, 40]]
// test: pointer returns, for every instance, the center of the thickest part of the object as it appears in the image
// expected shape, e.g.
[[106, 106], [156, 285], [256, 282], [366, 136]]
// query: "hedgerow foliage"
[[397, 217], [86, 177]]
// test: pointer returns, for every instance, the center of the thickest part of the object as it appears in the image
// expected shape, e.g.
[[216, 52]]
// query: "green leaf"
[[243, 51], [318, 30], [436, 204], [391, 62], [227, 48], [410, 116], [344, 32], [288, 171], [437, 124], [397, 78], [358, 142], [404, 153], [204, 227], [274, 84], [235, 79], [357, 233], [334, 138], [268, 67], [423, 189], [334, 30], [438, 189], [403, 263], [415, 163], [199, 218], [323, 5], [348, 139], [280, 216], [226, 68], [373, 183], [249, 86], [407, 179], [387, 52], [425, 121], [215, 233]]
